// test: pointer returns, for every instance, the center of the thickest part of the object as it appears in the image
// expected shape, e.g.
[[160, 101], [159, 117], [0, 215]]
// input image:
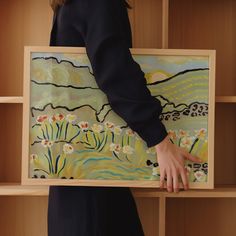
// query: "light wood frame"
[[85, 182]]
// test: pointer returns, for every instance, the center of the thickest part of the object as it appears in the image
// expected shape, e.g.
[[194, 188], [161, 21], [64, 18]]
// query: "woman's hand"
[[171, 163]]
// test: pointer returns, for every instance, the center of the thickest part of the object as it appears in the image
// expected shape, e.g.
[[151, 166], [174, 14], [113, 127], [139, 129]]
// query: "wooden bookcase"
[[189, 24]]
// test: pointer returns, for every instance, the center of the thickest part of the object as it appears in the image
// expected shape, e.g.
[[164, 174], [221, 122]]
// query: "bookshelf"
[[186, 24]]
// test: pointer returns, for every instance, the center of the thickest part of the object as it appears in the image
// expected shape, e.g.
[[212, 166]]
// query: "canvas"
[[72, 136]]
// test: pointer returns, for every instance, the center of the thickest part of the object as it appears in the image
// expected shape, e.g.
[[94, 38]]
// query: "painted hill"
[[63, 85]]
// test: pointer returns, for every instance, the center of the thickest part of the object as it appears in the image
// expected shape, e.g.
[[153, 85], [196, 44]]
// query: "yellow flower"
[[67, 148], [115, 147], [96, 128], [70, 118], [117, 130], [201, 133], [128, 150], [83, 125]]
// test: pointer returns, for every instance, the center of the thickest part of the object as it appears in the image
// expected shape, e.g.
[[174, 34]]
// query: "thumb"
[[191, 157]]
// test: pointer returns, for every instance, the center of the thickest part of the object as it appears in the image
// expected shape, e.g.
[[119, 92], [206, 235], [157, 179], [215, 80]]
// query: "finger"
[[176, 182], [190, 157], [193, 158], [186, 170], [184, 178], [169, 181], [162, 179]]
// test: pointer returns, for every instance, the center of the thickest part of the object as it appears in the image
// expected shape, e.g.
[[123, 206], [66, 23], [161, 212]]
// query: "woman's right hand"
[[171, 158]]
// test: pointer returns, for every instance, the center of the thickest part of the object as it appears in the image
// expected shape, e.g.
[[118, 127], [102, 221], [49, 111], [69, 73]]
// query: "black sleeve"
[[116, 72]]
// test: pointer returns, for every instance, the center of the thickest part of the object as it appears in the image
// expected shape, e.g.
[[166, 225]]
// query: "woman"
[[102, 26]]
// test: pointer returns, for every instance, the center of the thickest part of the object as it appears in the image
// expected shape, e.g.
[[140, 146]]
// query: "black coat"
[[102, 26]]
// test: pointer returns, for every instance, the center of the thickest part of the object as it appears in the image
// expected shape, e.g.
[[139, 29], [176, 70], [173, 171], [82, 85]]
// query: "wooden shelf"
[[223, 191], [218, 192], [10, 99], [16, 189], [226, 99], [185, 24]]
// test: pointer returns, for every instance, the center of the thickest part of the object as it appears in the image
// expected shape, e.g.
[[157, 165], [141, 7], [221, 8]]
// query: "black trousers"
[[92, 211]]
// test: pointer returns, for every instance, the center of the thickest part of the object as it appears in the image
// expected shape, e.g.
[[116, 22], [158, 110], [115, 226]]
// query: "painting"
[[71, 135]]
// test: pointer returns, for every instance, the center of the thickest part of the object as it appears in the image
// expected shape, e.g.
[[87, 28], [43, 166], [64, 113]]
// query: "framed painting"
[[71, 135]]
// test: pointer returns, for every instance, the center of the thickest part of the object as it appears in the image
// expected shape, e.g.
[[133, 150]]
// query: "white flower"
[[70, 118], [33, 157], [200, 176], [172, 134], [186, 142], [46, 143], [115, 147], [96, 128], [130, 132], [83, 125], [57, 117], [109, 125], [67, 148], [117, 130], [51, 119], [127, 149], [182, 133], [151, 150], [50, 143], [155, 171]]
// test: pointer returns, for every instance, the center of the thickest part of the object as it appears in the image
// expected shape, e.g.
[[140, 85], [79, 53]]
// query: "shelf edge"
[[226, 99], [11, 99]]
